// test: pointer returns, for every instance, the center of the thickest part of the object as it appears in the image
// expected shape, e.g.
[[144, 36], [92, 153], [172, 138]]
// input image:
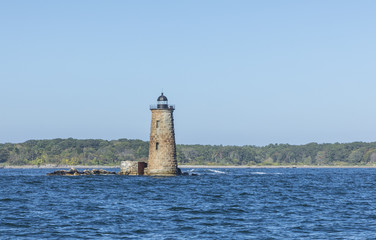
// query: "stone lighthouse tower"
[[162, 149]]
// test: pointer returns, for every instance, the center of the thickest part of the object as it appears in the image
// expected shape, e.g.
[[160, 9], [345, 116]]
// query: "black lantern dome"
[[162, 98], [162, 102]]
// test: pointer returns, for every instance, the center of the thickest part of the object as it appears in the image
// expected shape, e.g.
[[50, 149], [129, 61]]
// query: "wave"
[[216, 171], [262, 173]]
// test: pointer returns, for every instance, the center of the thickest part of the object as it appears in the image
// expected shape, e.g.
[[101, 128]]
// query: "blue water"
[[216, 204]]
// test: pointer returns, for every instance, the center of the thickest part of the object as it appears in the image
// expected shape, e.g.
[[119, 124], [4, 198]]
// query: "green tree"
[[4, 155]]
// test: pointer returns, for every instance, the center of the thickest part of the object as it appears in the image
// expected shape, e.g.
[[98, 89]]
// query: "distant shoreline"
[[180, 166], [268, 166], [58, 166]]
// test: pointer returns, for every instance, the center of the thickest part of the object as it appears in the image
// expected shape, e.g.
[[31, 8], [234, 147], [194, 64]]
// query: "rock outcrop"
[[75, 172]]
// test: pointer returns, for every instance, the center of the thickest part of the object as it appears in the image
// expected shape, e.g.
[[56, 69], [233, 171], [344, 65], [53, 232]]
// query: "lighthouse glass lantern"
[[162, 102]]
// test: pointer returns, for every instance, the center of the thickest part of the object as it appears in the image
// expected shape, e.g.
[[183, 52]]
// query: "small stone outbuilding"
[[133, 168]]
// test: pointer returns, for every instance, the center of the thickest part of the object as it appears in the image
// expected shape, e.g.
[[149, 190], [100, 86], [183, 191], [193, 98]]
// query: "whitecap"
[[216, 171], [262, 173]]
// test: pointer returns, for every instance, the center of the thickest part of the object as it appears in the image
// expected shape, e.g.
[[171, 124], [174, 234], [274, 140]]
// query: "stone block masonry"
[[162, 148], [128, 168]]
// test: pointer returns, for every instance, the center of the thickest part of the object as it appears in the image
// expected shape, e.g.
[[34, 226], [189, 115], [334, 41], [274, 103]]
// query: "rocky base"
[[75, 172]]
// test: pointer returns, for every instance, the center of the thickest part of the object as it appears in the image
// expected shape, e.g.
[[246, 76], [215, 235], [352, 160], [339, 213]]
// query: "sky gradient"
[[239, 72]]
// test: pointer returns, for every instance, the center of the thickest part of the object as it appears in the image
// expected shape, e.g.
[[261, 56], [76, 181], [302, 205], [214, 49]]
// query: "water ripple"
[[225, 203]]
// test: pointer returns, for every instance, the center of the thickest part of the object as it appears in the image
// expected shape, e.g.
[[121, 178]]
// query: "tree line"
[[102, 152]]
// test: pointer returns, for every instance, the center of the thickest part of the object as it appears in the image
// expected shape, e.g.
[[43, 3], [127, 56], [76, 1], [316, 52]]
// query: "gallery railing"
[[162, 106]]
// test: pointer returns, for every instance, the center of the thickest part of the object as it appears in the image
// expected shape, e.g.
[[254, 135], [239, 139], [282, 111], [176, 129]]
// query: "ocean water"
[[215, 204]]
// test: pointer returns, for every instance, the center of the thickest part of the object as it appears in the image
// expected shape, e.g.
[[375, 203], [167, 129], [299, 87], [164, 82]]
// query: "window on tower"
[[157, 145], [157, 125]]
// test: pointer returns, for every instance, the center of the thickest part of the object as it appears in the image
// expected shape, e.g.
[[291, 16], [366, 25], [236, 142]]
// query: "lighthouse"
[[162, 148]]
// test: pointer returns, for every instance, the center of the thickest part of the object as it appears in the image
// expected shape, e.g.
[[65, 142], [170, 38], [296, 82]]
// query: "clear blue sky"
[[239, 72]]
